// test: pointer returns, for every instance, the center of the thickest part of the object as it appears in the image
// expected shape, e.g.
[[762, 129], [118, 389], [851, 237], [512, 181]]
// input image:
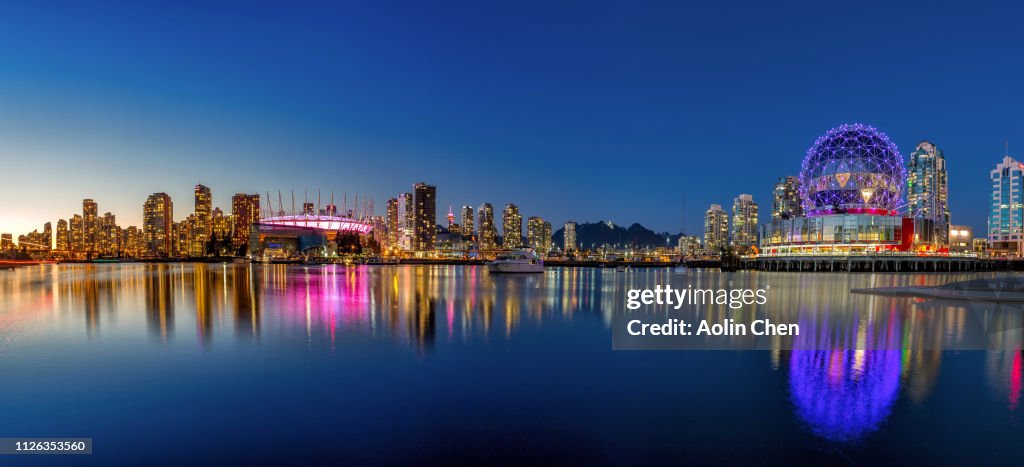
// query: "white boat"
[[516, 262]]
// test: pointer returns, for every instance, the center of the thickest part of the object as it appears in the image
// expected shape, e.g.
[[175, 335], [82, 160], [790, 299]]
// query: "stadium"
[[289, 236]]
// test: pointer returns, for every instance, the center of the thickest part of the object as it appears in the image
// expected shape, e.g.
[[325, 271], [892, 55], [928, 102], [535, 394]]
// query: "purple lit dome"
[[852, 168]]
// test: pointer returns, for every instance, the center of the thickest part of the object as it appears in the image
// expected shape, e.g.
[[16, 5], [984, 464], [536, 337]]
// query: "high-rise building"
[[467, 221], [546, 245], [786, 200], [405, 221], [245, 211], [221, 224], [744, 221], [158, 225], [535, 234], [1006, 216], [109, 236], [202, 226], [928, 190], [391, 221], [63, 241], [487, 232], [77, 231], [716, 229], [133, 241], [511, 227], [6, 242], [90, 226], [425, 216], [451, 221], [569, 236], [47, 238]]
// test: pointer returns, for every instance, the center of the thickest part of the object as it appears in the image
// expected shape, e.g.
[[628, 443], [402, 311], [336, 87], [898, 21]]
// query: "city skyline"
[[243, 112]]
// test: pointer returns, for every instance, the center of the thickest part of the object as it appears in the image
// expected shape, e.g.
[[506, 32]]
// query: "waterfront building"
[[158, 225], [221, 224], [487, 231], [35, 240], [851, 186], [90, 226], [928, 191], [77, 233], [538, 234], [689, 246], [786, 198], [245, 212], [133, 244], [405, 221], [467, 221], [202, 225], [425, 216], [63, 241], [744, 221], [716, 229], [109, 236], [961, 239], [6, 242], [391, 221], [980, 247], [1006, 213], [511, 227], [569, 237]]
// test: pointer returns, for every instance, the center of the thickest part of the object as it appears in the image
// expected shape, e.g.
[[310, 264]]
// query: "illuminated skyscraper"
[[77, 230], [535, 234], [512, 227], [109, 236], [245, 211], [221, 224], [928, 189], [391, 221], [202, 226], [569, 236], [63, 241], [716, 229], [90, 226], [786, 201], [467, 221], [451, 220], [425, 216], [487, 232], [1006, 216], [744, 221], [158, 225]]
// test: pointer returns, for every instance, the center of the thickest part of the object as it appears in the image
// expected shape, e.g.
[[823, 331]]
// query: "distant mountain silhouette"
[[593, 235]]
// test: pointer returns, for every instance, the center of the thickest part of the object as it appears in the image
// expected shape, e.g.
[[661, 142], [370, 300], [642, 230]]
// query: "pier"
[[869, 263]]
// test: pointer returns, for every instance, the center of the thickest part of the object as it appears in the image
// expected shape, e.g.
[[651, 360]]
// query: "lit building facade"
[[245, 212], [716, 229], [511, 227], [391, 221], [425, 216], [158, 225], [689, 246], [77, 232], [744, 221], [467, 221], [90, 226], [538, 234], [63, 241], [405, 221], [961, 238], [202, 225], [488, 234], [928, 190], [1006, 213], [569, 237], [786, 198]]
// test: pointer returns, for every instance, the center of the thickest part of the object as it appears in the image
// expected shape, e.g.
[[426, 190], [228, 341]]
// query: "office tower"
[[158, 225], [391, 221], [511, 227], [108, 236], [63, 241], [1006, 215], [716, 229], [928, 190], [451, 220], [744, 221], [467, 221], [425, 216], [202, 226], [90, 225], [487, 232], [569, 236], [786, 201], [77, 230], [535, 234], [245, 212]]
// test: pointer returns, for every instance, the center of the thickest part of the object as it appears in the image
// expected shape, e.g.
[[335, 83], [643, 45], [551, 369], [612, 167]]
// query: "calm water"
[[409, 364]]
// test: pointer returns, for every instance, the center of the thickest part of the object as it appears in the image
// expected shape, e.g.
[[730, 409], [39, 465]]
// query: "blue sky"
[[574, 110]]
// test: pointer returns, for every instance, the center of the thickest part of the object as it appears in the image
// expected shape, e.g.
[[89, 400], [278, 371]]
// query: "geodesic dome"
[[852, 168]]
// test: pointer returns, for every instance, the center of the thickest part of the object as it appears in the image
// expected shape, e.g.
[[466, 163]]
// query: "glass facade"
[[833, 233]]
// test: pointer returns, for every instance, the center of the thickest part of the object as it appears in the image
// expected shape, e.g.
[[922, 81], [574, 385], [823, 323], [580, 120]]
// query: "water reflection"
[[858, 355]]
